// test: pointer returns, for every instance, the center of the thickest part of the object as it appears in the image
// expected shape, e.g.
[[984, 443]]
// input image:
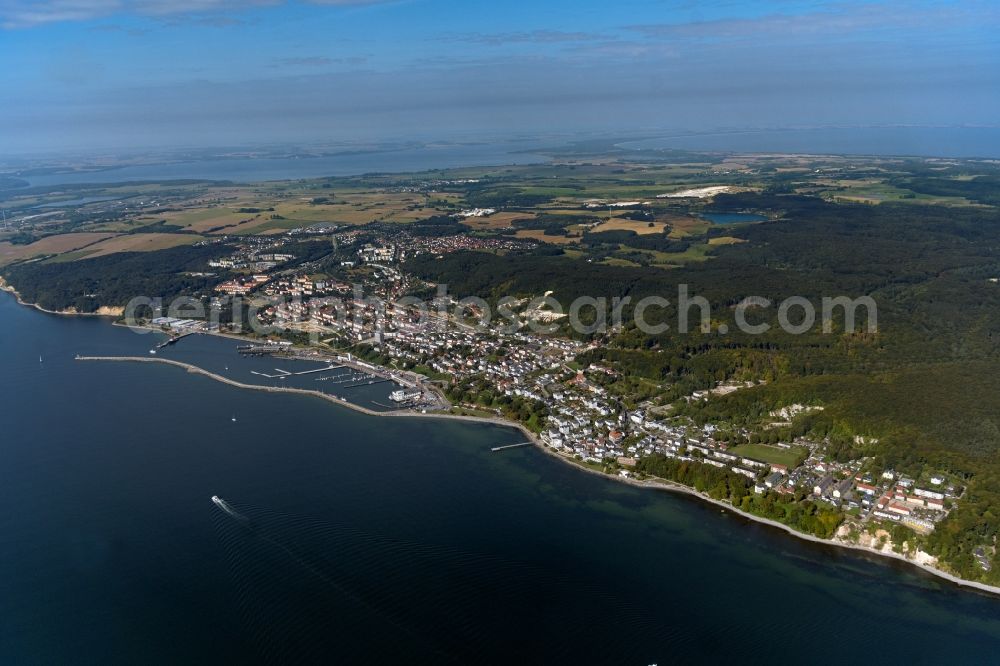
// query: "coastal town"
[[444, 357]]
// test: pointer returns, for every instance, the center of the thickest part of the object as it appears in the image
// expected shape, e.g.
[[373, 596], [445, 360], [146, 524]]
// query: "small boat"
[[152, 351], [234, 418], [39, 358], [222, 504]]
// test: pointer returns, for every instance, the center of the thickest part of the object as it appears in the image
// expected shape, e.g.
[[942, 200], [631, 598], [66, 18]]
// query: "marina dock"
[[368, 383]]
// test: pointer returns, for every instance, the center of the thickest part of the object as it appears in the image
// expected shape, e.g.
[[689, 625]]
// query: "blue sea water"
[[360, 539], [915, 141], [246, 170]]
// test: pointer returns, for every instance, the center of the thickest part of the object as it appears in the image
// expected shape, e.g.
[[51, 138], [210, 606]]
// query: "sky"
[[137, 74]]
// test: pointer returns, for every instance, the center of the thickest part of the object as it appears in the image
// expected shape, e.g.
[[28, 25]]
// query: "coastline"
[[657, 484], [66, 313]]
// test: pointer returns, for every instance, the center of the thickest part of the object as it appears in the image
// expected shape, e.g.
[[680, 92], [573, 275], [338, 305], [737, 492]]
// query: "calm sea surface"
[[924, 141], [357, 539], [243, 170]]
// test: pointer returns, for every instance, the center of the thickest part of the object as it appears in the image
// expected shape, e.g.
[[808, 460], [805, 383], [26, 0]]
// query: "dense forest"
[[721, 484], [114, 279]]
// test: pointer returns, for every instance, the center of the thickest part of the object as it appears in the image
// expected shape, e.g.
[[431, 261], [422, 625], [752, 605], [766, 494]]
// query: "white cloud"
[[318, 61], [532, 37], [833, 19], [30, 13]]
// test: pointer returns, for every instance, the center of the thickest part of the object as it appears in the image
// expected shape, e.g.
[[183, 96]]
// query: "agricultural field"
[[205, 220], [347, 209], [725, 240], [539, 235], [141, 243], [638, 226], [50, 245], [582, 189], [682, 227], [501, 220], [693, 254]]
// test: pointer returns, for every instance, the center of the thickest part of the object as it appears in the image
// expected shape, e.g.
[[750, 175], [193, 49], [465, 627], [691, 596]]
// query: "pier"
[[172, 340], [308, 372], [285, 373], [511, 446]]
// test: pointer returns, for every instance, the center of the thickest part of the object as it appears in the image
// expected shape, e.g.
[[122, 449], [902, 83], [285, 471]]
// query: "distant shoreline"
[[658, 484]]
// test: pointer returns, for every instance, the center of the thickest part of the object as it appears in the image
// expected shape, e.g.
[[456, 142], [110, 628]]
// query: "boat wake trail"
[[308, 589], [305, 589], [224, 505]]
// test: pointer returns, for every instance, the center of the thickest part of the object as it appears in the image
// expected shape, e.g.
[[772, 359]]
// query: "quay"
[[263, 350]]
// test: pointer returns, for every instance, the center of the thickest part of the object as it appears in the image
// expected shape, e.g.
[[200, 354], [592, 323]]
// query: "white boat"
[[222, 504]]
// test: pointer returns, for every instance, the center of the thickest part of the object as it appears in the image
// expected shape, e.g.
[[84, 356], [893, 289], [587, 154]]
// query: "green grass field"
[[792, 457]]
